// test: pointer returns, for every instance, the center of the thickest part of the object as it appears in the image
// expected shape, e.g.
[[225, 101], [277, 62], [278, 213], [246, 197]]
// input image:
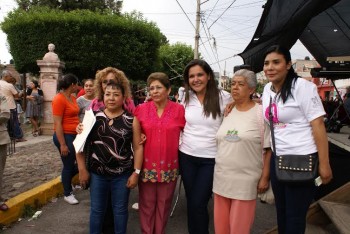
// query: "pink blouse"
[[160, 162]]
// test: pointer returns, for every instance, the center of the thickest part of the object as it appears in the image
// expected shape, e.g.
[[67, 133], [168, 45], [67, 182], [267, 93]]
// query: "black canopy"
[[322, 26]]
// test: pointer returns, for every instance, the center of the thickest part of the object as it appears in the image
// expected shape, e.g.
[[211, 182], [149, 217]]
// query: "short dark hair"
[[159, 76]]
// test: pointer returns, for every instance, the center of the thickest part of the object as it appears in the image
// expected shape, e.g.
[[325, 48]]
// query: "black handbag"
[[293, 168]]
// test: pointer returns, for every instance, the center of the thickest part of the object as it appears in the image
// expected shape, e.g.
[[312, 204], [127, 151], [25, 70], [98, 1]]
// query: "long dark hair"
[[66, 81], [211, 103], [291, 77]]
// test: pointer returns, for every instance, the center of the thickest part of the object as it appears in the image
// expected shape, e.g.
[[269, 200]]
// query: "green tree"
[[112, 6], [173, 59], [84, 40]]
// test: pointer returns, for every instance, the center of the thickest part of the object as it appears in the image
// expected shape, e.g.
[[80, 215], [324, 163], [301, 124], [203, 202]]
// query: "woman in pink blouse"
[[162, 121]]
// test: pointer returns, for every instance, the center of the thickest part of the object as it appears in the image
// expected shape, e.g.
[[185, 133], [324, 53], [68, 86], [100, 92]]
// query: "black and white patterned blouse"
[[111, 144]]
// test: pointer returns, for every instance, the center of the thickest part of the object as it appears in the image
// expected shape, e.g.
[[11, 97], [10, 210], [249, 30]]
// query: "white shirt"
[[239, 162], [181, 93], [292, 128], [199, 134], [8, 91]]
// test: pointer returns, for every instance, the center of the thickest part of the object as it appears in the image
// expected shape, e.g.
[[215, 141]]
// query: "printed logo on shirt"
[[275, 120], [232, 136]]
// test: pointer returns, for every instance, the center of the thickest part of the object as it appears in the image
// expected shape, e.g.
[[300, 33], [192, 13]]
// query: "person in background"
[[115, 160], [34, 106], [102, 78], [161, 121], [181, 93], [4, 141], [10, 93], [204, 105], [240, 170], [347, 101], [85, 100], [299, 129], [65, 112]]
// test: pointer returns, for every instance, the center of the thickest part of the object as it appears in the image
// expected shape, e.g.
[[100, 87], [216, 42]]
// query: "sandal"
[[35, 134], [4, 207]]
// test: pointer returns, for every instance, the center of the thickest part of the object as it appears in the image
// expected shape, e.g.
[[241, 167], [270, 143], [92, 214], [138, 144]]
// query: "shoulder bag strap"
[[271, 126]]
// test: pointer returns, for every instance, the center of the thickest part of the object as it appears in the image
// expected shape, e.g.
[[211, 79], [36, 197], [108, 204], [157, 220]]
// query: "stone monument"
[[50, 71]]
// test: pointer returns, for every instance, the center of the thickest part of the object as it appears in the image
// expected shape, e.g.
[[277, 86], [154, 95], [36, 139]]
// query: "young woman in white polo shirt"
[[299, 129], [204, 106]]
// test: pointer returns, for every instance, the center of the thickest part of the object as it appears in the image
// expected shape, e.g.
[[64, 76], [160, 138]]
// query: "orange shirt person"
[[65, 112]]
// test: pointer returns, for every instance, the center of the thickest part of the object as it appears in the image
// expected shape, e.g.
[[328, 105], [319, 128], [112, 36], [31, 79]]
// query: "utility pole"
[[196, 38]]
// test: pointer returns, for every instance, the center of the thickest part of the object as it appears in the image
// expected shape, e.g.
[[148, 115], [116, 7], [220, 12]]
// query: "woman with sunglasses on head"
[[298, 130], [162, 121], [204, 105], [102, 78]]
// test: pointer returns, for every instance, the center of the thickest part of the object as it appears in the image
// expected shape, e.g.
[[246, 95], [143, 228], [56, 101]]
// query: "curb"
[[39, 195]]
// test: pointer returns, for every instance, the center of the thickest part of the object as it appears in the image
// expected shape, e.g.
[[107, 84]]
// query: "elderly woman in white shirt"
[[241, 171], [204, 106]]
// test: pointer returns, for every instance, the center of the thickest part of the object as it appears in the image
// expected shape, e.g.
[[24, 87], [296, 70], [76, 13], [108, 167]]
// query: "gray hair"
[[6, 73], [249, 76]]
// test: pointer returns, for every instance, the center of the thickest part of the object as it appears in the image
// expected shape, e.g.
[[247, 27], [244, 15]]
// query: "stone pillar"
[[50, 72]]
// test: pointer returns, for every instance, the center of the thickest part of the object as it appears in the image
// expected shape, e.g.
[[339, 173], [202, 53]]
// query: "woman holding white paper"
[[114, 159]]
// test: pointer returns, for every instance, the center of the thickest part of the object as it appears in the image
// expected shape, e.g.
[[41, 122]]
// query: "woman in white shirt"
[[241, 171], [299, 130], [204, 105]]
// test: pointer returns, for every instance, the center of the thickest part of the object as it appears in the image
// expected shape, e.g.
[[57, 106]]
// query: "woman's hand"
[[325, 172], [229, 108], [143, 139], [79, 128], [84, 178], [64, 150], [263, 184], [132, 181]]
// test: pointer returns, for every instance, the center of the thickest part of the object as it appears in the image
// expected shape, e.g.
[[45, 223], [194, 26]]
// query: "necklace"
[[114, 115]]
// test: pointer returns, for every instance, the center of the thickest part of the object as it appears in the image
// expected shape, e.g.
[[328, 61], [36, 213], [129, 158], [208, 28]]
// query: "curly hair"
[[120, 79]]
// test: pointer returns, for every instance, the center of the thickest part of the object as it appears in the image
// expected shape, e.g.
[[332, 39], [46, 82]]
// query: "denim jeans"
[[292, 203], [70, 168], [100, 187], [197, 176]]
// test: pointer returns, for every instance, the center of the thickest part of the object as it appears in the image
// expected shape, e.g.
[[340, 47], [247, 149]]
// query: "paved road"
[[59, 217]]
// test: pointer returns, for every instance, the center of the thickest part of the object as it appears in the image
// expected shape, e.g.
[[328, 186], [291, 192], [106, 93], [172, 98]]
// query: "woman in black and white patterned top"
[[115, 152]]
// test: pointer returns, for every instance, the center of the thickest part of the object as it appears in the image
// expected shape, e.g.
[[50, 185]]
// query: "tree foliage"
[[112, 6], [173, 59], [84, 40]]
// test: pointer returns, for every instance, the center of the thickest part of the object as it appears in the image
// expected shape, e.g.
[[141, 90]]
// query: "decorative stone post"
[[50, 71]]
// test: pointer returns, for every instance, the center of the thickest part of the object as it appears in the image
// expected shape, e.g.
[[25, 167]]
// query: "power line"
[[222, 13], [212, 9], [185, 14]]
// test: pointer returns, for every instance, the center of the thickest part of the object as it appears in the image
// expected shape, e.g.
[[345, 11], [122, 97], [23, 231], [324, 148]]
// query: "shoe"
[[71, 199], [35, 134]]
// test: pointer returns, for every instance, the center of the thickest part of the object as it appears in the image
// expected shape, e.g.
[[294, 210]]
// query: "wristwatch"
[[137, 171]]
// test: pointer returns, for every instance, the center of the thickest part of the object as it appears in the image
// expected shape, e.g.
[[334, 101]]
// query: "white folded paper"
[[88, 123]]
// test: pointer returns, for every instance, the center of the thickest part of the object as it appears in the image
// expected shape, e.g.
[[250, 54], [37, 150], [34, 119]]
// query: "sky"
[[226, 27]]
